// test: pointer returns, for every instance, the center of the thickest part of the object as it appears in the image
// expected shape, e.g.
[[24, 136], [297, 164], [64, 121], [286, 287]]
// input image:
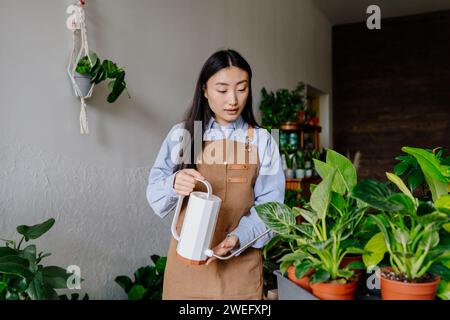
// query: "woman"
[[242, 163]]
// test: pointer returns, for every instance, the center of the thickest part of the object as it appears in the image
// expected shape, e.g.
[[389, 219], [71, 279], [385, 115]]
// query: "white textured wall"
[[94, 185]]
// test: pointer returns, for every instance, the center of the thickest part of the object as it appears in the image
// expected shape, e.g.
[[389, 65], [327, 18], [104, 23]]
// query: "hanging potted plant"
[[100, 71], [411, 231]]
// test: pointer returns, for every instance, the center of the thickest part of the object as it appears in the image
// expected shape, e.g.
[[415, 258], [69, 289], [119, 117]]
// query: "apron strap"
[[249, 138]]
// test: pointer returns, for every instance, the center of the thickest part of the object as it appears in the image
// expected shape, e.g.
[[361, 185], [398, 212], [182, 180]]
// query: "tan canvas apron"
[[232, 180]]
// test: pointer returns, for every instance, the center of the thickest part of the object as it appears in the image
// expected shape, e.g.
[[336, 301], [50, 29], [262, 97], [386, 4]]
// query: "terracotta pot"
[[303, 281], [349, 259], [334, 291], [396, 290]]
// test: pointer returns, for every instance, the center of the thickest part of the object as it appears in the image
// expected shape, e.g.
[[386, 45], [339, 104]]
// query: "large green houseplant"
[[411, 231], [22, 274], [326, 235]]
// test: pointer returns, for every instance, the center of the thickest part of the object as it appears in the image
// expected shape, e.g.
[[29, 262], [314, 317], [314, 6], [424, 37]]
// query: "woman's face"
[[227, 92]]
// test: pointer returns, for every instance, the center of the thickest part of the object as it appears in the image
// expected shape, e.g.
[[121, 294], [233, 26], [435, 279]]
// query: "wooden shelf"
[[305, 128]]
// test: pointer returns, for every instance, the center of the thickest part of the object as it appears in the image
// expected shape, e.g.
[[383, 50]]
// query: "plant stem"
[[20, 242]]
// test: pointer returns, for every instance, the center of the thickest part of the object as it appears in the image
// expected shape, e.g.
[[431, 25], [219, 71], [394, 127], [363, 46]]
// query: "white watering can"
[[198, 227]]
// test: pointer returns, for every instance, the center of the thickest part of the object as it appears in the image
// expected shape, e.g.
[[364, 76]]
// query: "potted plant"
[[100, 71], [280, 109], [289, 172], [308, 164], [269, 111], [300, 164], [411, 231], [324, 238], [22, 274], [148, 281]]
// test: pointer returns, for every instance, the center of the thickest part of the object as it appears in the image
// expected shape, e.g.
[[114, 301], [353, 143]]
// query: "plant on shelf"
[[326, 236], [22, 274], [413, 232], [280, 109], [269, 110], [300, 171], [289, 172], [148, 281], [100, 71]]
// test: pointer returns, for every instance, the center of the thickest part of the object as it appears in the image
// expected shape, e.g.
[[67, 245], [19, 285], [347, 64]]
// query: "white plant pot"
[[300, 173], [309, 173], [289, 173], [84, 83]]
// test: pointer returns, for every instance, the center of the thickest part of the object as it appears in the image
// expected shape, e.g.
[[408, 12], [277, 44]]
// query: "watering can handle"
[[180, 204]]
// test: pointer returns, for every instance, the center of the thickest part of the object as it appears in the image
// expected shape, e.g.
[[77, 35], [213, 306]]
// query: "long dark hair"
[[200, 110]]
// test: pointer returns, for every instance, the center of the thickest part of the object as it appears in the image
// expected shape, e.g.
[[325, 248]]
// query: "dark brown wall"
[[391, 88]]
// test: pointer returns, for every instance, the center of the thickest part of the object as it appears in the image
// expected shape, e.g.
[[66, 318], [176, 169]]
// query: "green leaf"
[[338, 202], [320, 198], [6, 251], [415, 179], [355, 265], [402, 237], [309, 216], [345, 273], [443, 204], [125, 282], [437, 187], [436, 174], [29, 253], [441, 271], [429, 164], [15, 265], [405, 204], [276, 216], [137, 292], [354, 250], [400, 168], [446, 227], [443, 290], [346, 172], [161, 265], [36, 289], [303, 268], [374, 250], [399, 183], [320, 275], [34, 232], [55, 277], [432, 218], [375, 194]]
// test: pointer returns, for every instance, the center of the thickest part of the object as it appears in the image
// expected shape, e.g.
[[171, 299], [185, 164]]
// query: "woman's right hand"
[[185, 181]]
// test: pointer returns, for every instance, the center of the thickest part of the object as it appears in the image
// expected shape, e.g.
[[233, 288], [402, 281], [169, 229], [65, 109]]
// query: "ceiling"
[[349, 11]]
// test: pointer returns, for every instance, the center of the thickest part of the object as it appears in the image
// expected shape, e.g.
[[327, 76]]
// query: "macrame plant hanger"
[[77, 24]]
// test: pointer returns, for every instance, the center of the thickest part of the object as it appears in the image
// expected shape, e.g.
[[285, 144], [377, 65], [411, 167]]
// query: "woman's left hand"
[[224, 247]]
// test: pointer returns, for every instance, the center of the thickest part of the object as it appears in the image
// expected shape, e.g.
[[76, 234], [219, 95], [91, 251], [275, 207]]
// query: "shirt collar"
[[237, 124]]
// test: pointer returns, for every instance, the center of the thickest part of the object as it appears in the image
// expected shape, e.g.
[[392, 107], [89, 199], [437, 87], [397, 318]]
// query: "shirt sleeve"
[[160, 193], [269, 186]]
